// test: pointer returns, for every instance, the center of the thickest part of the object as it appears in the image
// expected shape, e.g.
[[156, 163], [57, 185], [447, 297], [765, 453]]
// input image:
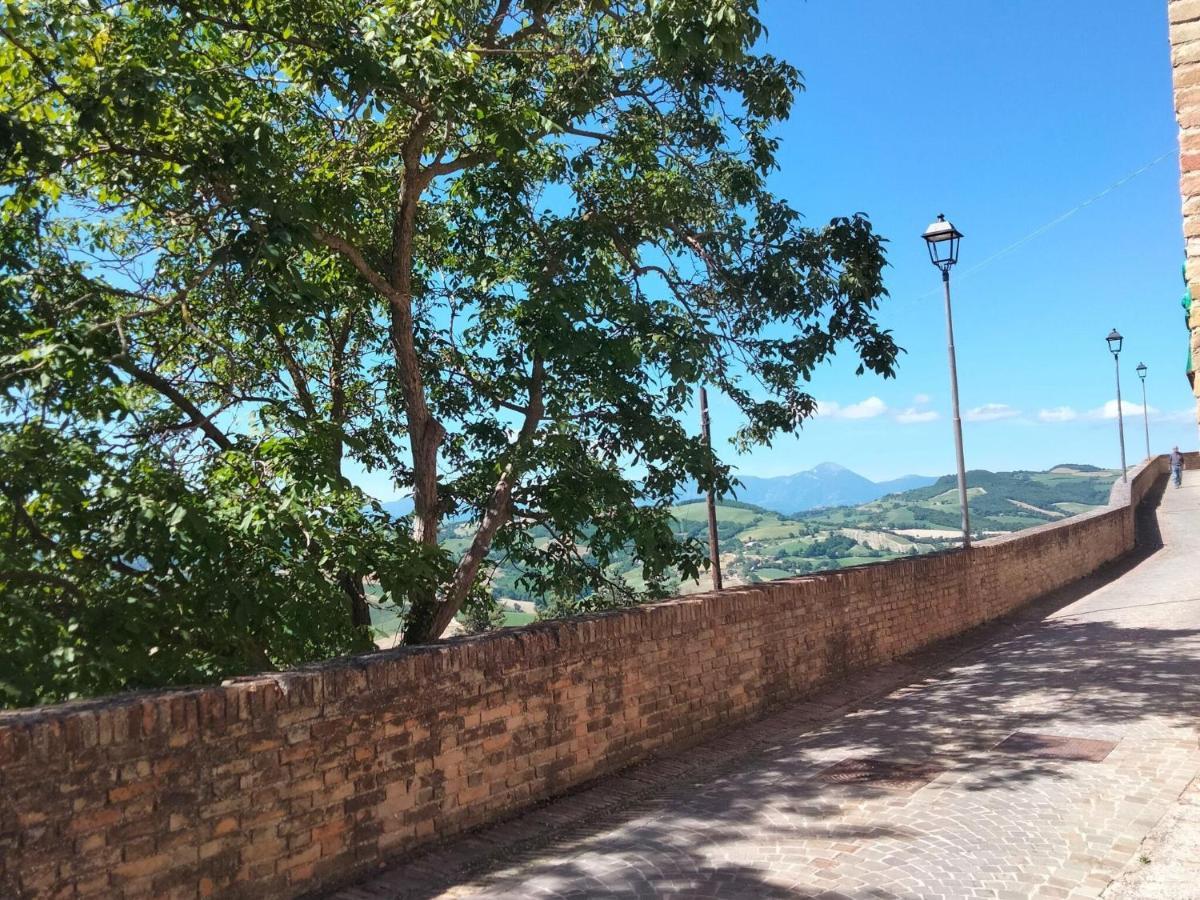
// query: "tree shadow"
[[750, 813]]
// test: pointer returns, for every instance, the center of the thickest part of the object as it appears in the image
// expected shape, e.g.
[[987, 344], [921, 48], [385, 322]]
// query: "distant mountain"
[[904, 483], [760, 545], [401, 507], [825, 485]]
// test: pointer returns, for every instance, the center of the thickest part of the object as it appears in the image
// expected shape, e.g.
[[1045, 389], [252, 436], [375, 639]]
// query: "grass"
[[901, 518], [1073, 508], [859, 560], [698, 512], [769, 531], [512, 617]]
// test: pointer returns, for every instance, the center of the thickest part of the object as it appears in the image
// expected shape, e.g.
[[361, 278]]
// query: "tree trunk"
[[499, 511], [495, 516], [351, 584], [425, 433]]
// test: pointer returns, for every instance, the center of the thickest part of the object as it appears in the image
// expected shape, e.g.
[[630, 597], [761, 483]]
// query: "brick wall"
[[283, 785], [1184, 16]]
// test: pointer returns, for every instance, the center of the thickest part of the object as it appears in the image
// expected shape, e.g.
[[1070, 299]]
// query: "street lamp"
[[1114, 347], [942, 239], [1141, 370], [714, 546]]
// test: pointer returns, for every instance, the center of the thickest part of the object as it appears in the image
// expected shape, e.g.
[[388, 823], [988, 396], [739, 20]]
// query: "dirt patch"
[[1054, 514], [877, 540], [936, 534]]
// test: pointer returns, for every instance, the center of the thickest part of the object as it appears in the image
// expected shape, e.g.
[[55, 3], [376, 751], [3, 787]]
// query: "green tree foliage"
[[480, 613], [485, 246], [834, 546]]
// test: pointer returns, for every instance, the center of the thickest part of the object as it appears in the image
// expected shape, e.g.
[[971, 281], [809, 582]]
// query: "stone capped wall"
[[282, 785]]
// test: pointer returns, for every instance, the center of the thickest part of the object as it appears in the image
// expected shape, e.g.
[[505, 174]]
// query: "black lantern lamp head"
[[1141, 370], [942, 239], [1114, 341]]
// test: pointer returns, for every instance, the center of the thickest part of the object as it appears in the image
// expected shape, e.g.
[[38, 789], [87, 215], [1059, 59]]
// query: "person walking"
[[1177, 466]]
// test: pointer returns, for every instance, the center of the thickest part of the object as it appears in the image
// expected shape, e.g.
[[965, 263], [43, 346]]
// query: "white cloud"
[[1181, 415], [1058, 414], [914, 416], [921, 399], [867, 409], [1109, 410], [991, 412]]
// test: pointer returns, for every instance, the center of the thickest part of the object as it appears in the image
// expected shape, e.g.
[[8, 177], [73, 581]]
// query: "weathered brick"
[[1180, 11], [296, 788], [142, 866]]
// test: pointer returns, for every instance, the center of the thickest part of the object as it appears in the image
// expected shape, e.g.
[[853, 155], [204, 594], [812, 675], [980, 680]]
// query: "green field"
[[697, 512], [759, 545], [1073, 508], [771, 531]]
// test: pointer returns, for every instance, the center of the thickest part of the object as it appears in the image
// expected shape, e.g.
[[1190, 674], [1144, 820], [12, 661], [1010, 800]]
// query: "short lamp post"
[[1114, 346], [942, 239], [1141, 370]]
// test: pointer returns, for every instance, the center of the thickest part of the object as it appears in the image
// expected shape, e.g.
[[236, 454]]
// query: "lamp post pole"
[[942, 239], [1114, 345], [958, 439], [714, 547], [1141, 370]]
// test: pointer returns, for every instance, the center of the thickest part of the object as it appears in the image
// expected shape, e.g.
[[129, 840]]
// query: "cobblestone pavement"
[[928, 805]]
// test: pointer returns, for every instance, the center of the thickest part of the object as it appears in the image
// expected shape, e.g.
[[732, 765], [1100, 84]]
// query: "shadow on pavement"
[[734, 810]]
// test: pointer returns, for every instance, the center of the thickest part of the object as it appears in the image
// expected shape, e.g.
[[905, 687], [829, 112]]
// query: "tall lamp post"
[[1114, 346], [714, 546], [1141, 370], [942, 239]]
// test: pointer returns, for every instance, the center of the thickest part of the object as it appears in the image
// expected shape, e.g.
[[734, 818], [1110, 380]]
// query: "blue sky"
[[1004, 115]]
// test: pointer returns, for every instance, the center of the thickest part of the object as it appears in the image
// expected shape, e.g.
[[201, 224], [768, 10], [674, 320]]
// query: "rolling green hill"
[[760, 545], [999, 501]]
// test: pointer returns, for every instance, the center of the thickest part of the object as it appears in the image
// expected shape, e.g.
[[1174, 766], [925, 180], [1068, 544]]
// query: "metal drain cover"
[[900, 776], [1054, 746]]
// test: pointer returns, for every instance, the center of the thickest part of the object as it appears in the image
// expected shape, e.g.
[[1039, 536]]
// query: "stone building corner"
[[1184, 18]]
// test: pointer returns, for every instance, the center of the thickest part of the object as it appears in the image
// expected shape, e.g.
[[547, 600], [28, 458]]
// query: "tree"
[[485, 246], [482, 613]]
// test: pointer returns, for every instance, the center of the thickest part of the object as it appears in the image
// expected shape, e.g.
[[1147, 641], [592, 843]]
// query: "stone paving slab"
[[1115, 659], [1167, 865]]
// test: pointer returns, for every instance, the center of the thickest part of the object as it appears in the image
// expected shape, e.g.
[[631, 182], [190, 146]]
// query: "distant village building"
[[1184, 17]]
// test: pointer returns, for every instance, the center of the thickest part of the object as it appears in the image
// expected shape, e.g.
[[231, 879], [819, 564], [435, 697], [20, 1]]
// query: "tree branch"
[[299, 381], [168, 390], [355, 257], [498, 510]]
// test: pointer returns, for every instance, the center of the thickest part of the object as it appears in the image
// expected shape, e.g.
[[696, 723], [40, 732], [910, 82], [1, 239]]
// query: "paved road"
[[926, 804]]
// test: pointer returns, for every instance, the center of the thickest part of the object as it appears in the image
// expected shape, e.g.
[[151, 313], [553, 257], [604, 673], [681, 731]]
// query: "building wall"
[[1184, 17], [279, 785]]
